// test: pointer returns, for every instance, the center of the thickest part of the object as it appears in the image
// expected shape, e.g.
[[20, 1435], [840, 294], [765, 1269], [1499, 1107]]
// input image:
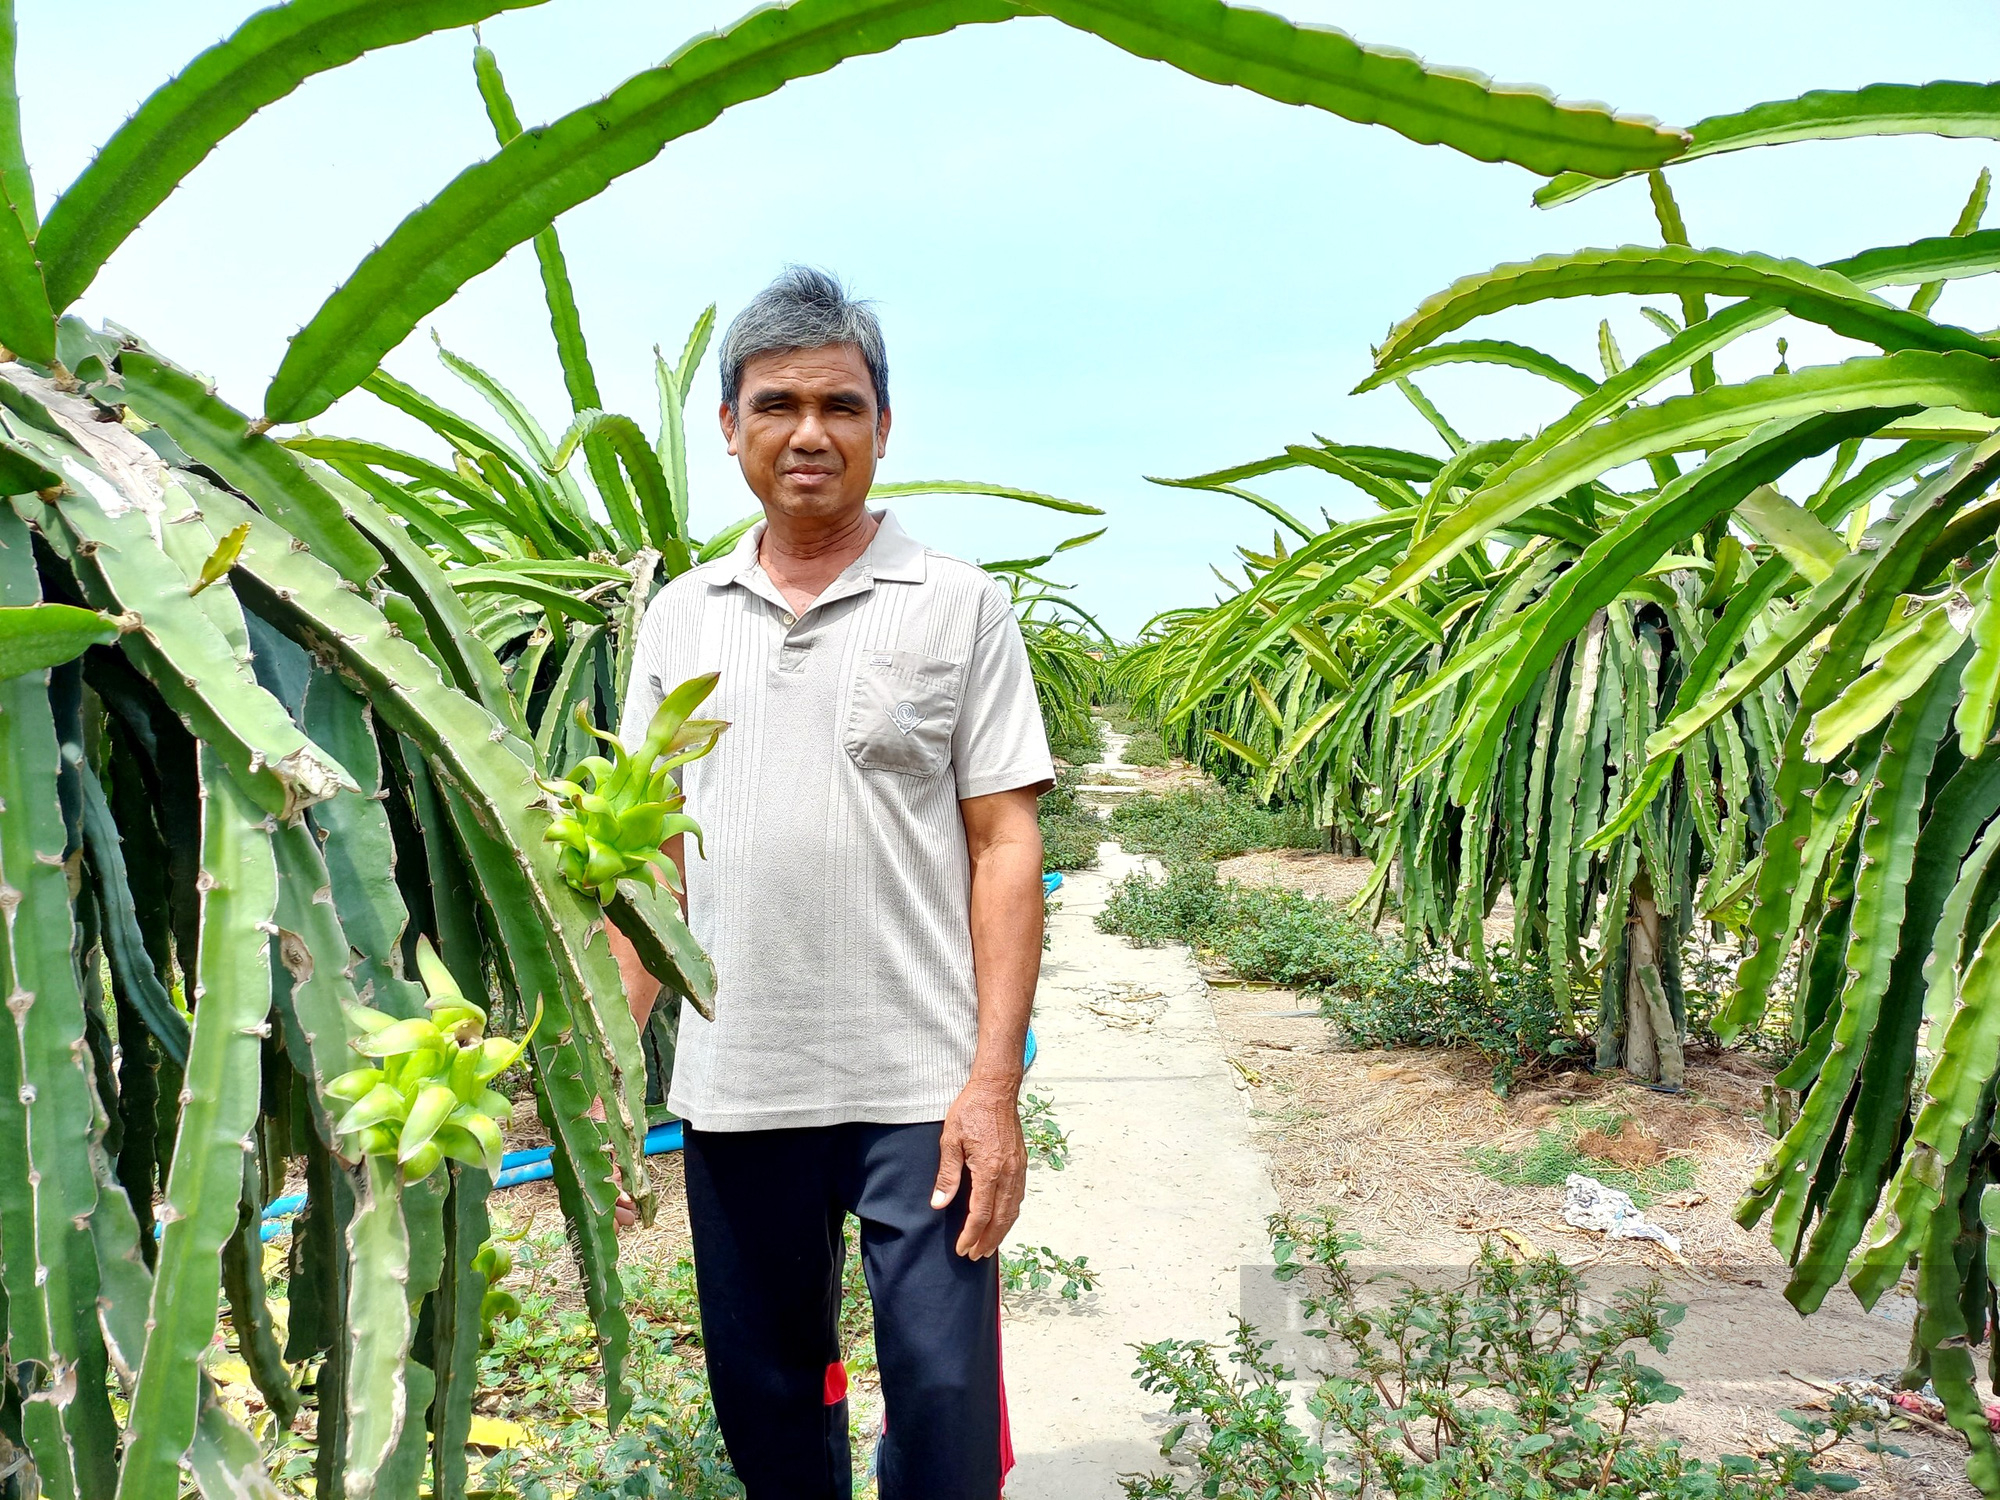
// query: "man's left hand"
[[982, 1135]]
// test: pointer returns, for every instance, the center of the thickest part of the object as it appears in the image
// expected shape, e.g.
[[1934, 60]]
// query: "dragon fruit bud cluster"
[[426, 1091], [613, 814]]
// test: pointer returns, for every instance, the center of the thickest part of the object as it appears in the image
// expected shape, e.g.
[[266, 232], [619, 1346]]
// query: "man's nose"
[[810, 435]]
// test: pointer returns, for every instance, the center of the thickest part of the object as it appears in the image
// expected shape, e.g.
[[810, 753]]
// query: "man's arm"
[[982, 1130], [642, 990]]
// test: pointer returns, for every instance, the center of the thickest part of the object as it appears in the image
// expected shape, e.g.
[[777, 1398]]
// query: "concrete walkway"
[[1164, 1193]]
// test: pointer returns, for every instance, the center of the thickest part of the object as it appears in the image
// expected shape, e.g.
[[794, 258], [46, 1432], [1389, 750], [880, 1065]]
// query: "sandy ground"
[[1331, 877], [1167, 778]]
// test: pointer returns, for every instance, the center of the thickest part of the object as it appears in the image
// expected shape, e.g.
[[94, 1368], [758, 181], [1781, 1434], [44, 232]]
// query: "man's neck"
[[803, 557]]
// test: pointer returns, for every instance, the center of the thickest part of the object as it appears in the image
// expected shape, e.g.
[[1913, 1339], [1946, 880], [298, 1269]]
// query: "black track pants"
[[767, 1208]]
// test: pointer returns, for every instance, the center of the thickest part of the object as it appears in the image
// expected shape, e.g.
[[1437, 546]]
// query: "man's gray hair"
[[804, 308]]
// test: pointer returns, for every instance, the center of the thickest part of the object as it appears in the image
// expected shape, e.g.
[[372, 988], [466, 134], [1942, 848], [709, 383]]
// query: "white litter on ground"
[[1589, 1204]]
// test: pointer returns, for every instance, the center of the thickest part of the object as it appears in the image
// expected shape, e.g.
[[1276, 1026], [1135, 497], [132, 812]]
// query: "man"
[[871, 895]]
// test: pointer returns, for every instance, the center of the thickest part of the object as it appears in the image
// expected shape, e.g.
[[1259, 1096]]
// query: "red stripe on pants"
[[1006, 1429]]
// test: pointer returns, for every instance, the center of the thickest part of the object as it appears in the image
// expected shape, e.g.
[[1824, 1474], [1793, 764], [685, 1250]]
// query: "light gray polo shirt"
[[834, 894]]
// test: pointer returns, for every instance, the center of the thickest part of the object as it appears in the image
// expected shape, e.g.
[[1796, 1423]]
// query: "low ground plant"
[[1300, 942], [1708, 977], [1202, 823], [1510, 1018], [1048, 1142], [541, 1373], [1185, 905], [1145, 748], [1499, 1386], [1119, 718], [1034, 1269], [1373, 993], [669, 1449], [1071, 832], [1079, 742], [1559, 1149]]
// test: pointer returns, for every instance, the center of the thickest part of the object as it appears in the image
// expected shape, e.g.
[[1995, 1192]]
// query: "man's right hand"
[[624, 1212], [982, 1136]]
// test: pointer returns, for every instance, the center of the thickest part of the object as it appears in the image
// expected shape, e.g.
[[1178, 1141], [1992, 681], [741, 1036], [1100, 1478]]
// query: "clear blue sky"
[[1091, 268]]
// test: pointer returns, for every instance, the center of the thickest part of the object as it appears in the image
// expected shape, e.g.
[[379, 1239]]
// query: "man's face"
[[806, 431]]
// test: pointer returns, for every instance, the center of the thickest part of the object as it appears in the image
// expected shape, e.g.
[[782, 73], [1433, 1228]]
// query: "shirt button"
[[789, 619]]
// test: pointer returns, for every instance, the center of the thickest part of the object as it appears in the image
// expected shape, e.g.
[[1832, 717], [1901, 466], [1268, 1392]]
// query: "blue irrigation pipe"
[[660, 1139]]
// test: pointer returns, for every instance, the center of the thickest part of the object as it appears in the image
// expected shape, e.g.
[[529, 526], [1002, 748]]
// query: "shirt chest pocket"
[[901, 712]]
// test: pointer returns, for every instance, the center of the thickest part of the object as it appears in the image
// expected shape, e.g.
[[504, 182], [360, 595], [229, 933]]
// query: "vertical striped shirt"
[[834, 889]]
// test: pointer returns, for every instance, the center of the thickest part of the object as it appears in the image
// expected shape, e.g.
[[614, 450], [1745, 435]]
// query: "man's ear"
[[882, 433], [726, 414]]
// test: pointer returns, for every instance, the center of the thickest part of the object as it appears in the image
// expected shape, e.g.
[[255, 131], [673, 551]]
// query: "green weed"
[[857, 1313], [1549, 1159], [1080, 742], [1071, 843], [1146, 748], [542, 1371], [1202, 823], [1437, 1000], [664, 1294], [1183, 906], [1119, 718], [1071, 832], [669, 1449], [1299, 942], [1499, 1387], [1374, 994], [1033, 1269], [1048, 1142]]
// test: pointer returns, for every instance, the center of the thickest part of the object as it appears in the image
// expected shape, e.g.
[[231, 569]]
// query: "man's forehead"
[[829, 365]]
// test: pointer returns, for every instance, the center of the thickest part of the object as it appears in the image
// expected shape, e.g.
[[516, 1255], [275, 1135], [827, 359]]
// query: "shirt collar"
[[892, 556], [895, 555]]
